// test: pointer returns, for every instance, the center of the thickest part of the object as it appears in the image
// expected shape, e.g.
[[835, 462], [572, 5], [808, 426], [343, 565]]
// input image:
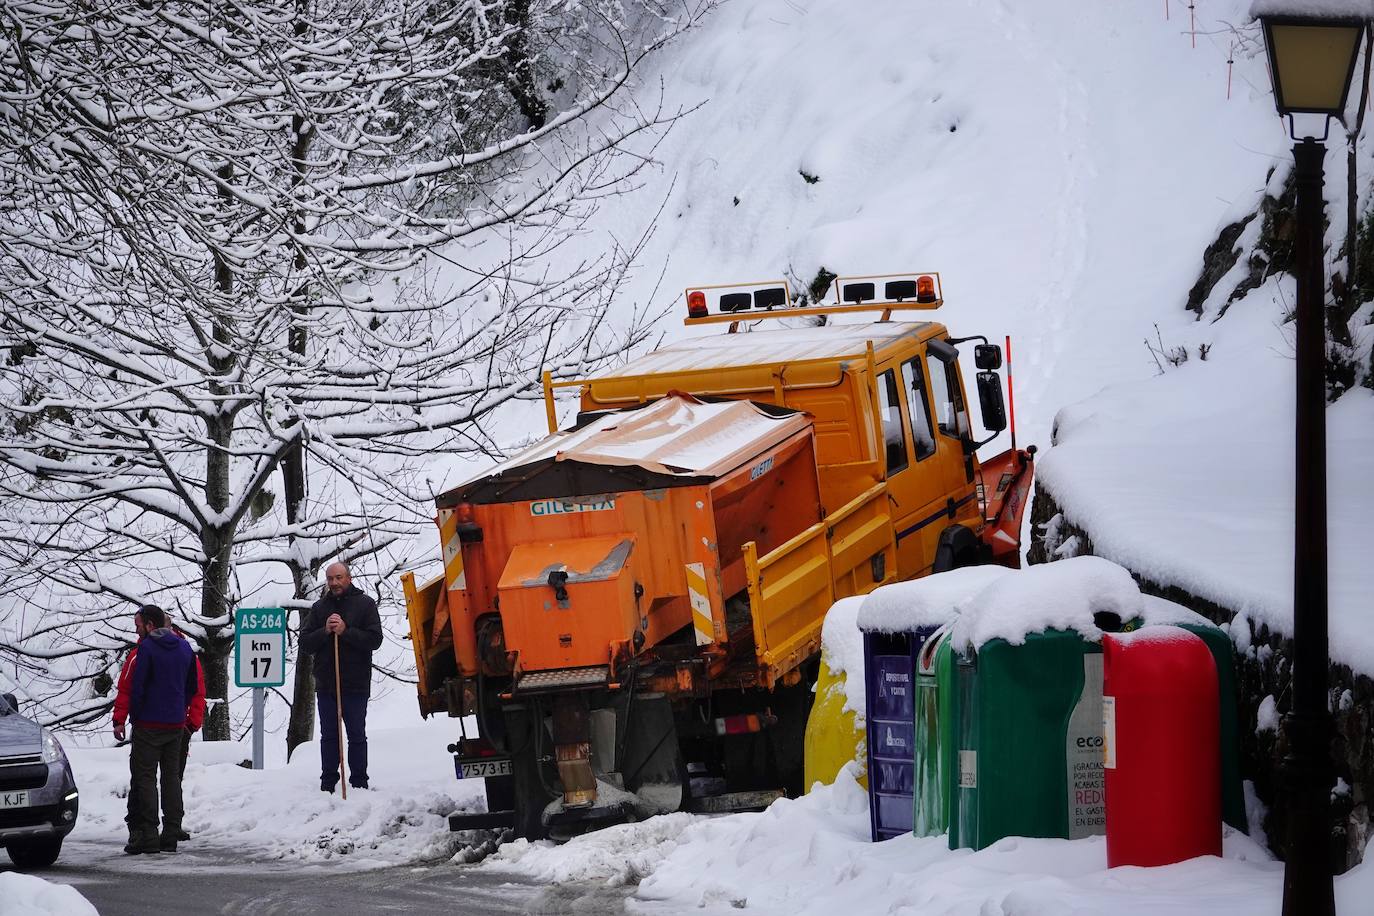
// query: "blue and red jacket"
[[164, 682], [195, 713]]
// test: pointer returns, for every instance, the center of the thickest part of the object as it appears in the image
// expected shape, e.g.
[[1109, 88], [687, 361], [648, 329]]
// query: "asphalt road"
[[199, 881]]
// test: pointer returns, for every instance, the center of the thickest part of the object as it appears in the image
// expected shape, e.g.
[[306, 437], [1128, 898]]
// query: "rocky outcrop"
[[1263, 675]]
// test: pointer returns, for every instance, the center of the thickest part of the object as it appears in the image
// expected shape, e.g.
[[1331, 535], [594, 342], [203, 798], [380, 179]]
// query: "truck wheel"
[[787, 739], [34, 854]]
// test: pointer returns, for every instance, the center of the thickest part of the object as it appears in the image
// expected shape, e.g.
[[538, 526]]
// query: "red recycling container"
[[1162, 747]]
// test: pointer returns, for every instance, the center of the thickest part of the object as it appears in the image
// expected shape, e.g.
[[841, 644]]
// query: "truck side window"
[[894, 440], [949, 404], [918, 408]]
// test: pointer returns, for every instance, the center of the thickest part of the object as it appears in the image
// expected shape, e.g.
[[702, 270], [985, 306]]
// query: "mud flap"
[[651, 762], [527, 733]]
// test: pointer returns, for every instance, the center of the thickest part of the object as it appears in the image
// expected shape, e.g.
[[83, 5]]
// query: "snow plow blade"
[[481, 820]]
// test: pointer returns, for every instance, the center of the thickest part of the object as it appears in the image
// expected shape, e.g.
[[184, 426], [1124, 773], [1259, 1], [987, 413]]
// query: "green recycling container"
[[931, 742], [1026, 754], [1232, 790]]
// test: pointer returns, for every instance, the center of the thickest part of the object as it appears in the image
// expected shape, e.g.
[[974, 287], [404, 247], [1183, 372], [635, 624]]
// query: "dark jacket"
[[164, 681], [361, 637]]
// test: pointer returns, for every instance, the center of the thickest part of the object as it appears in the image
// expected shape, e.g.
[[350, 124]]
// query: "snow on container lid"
[[1162, 612], [1063, 595], [843, 646], [903, 607]]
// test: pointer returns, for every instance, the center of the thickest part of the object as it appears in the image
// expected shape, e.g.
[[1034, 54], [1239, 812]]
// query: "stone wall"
[[1262, 677]]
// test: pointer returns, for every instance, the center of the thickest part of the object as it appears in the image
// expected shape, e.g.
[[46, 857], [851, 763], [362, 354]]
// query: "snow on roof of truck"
[[676, 436], [776, 345]]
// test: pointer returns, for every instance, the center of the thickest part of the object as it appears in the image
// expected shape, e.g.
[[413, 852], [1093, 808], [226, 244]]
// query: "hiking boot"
[[140, 845], [357, 785], [167, 843], [182, 835], [327, 786]]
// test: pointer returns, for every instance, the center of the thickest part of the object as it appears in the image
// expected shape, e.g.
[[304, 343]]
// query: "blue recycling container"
[[890, 662]]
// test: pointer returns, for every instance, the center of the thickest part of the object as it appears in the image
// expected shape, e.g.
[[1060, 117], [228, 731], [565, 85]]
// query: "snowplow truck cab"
[[632, 607]]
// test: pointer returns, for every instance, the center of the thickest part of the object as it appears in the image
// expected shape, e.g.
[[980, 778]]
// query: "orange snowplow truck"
[[632, 607]]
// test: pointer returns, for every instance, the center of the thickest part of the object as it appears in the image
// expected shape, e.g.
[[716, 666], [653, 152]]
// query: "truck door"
[[952, 430], [919, 490]]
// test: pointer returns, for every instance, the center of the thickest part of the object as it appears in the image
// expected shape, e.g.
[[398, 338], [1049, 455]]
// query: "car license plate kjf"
[[481, 767], [21, 799]]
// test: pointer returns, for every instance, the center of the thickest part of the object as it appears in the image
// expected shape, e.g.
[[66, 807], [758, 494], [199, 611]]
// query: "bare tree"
[[206, 201]]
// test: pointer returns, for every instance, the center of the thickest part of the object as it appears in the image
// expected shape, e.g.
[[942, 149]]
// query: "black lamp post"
[[1311, 61]]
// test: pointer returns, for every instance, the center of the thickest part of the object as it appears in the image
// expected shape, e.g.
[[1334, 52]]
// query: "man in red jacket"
[[195, 713]]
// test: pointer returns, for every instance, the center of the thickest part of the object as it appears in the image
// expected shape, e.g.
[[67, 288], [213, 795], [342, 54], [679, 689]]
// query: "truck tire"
[[787, 739], [31, 855]]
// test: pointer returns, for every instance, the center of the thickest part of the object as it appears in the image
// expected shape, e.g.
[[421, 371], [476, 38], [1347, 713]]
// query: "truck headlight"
[[52, 750]]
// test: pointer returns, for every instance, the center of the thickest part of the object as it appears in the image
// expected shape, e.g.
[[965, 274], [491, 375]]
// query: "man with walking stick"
[[342, 632]]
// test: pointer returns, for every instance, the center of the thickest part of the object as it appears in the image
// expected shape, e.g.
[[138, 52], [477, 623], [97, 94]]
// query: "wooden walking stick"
[[338, 714]]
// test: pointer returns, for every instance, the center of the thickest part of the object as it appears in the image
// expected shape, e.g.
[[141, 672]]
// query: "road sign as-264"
[[259, 647]]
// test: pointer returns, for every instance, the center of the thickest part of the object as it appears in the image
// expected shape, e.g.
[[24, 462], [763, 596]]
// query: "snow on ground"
[[1187, 478], [29, 895], [813, 856], [280, 812], [1062, 164]]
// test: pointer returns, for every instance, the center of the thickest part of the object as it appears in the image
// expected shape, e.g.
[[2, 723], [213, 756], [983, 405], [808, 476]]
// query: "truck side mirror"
[[990, 401], [11, 702], [987, 356]]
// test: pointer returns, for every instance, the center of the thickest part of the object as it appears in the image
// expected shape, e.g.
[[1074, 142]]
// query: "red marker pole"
[[1011, 396]]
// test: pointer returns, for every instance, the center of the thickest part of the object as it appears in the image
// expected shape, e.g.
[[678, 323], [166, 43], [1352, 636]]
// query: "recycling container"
[[1026, 759], [934, 725], [1161, 749], [1232, 786], [890, 661]]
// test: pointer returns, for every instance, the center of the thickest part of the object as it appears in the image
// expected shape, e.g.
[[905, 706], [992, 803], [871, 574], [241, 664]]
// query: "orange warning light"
[[696, 304], [925, 289]]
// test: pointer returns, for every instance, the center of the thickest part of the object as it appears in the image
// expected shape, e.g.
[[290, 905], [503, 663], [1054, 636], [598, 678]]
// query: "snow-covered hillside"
[[1062, 165]]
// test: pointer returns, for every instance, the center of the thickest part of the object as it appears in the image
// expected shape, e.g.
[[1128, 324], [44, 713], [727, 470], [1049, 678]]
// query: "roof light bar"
[[730, 298], [895, 289]]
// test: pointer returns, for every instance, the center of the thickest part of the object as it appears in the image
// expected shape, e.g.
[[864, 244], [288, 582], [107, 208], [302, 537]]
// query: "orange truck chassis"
[[631, 609]]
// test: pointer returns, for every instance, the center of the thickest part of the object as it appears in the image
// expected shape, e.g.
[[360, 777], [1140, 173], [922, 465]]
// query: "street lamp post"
[[1311, 61]]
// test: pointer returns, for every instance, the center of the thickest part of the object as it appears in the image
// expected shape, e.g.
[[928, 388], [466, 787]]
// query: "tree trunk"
[[300, 726], [520, 74], [217, 542]]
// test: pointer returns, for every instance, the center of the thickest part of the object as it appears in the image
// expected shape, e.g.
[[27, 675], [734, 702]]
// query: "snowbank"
[[27, 895], [1063, 595], [1187, 478], [928, 602], [281, 814], [813, 856]]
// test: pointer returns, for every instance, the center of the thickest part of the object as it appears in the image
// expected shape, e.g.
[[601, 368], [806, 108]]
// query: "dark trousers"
[[185, 749], [154, 762], [355, 724]]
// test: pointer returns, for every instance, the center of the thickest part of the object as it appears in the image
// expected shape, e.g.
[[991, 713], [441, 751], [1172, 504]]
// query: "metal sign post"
[[259, 660]]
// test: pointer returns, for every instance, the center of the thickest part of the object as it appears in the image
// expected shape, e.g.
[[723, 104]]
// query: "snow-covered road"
[[207, 880]]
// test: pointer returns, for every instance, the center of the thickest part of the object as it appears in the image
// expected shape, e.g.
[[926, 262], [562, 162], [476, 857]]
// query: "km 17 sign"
[[259, 647]]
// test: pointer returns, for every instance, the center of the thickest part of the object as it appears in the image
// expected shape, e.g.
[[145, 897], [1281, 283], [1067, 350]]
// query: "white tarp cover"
[[677, 435]]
